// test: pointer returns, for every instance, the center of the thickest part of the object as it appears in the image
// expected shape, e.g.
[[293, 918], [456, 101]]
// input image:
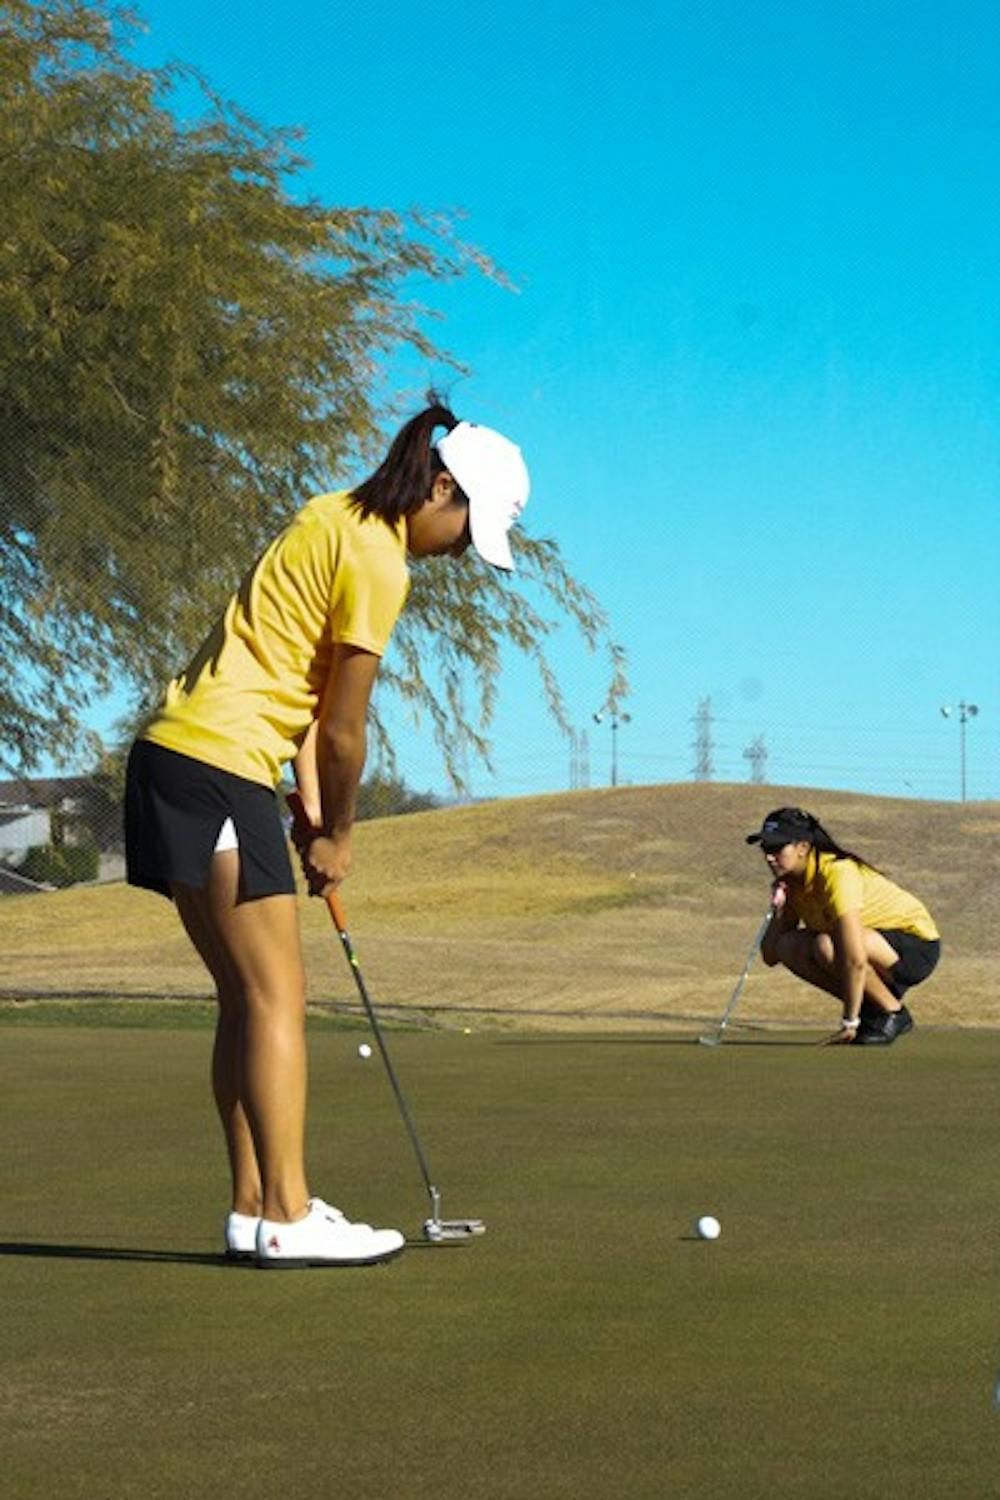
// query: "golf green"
[[841, 1338]]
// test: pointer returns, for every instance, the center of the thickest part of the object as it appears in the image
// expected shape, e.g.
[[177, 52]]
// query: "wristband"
[[850, 1024]]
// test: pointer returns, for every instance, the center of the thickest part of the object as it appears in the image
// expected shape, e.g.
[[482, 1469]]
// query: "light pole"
[[616, 718], [965, 711]]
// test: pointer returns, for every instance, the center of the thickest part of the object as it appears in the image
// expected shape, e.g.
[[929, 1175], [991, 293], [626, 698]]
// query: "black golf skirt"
[[175, 810], [918, 959]]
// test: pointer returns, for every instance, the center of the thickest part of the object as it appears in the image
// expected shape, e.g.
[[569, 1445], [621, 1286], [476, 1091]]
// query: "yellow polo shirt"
[[831, 887], [246, 700]]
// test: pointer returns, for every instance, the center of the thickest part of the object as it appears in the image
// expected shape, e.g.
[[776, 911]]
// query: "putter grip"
[[333, 900], [297, 810]]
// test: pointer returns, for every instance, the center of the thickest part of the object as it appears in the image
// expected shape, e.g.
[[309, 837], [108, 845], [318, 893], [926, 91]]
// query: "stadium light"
[[616, 718], [965, 711]]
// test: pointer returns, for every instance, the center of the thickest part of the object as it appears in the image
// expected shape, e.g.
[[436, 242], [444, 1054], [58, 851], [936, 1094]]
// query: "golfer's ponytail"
[[402, 481], [825, 843]]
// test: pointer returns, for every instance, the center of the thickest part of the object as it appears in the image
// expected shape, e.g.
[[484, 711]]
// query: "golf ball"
[[364, 1050], [708, 1228]]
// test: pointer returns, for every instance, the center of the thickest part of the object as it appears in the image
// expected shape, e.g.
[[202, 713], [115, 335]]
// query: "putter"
[[436, 1229], [716, 1039]]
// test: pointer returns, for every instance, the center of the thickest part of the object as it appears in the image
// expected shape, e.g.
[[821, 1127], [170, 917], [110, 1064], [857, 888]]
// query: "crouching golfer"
[[842, 926], [286, 675]]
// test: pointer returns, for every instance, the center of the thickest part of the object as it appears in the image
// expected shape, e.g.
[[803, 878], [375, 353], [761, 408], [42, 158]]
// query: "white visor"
[[491, 471]]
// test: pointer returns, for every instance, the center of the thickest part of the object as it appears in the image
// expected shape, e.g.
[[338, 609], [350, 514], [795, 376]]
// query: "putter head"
[[711, 1041], [437, 1230]]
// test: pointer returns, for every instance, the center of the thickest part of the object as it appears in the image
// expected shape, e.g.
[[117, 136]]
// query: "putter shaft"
[[714, 1041], [435, 1228]]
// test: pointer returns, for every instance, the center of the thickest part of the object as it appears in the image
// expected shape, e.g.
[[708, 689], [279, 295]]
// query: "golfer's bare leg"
[[260, 940], [228, 1052], [797, 951], [813, 958]]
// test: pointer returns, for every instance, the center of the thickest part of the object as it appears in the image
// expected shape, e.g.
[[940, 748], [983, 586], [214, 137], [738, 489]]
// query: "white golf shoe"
[[323, 1238], [241, 1236]]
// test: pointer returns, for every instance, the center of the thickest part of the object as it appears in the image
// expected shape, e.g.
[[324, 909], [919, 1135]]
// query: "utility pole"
[[703, 764], [756, 754], [965, 711], [616, 718]]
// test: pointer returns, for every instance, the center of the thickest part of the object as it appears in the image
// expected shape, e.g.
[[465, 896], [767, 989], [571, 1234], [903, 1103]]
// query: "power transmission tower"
[[703, 763], [756, 754], [579, 760]]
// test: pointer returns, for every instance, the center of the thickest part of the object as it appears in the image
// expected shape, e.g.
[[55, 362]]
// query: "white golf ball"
[[708, 1228], [364, 1050]]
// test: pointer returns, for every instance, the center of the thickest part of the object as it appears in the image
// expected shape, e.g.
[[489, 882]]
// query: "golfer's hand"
[[779, 895], [306, 828], [326, 862]]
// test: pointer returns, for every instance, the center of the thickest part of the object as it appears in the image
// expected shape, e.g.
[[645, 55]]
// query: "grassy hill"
[[623, 907]]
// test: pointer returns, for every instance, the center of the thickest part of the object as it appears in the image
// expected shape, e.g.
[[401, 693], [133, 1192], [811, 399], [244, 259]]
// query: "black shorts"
[[917, 959], [175, 808]]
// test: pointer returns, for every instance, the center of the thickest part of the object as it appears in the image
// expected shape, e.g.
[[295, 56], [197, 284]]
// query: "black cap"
[[786, 825]]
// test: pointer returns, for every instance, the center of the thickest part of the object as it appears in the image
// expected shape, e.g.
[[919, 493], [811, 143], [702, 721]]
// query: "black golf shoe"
[[880, 1028]]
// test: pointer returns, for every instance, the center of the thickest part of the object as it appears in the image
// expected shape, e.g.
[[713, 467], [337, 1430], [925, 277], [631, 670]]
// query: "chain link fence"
[[68, 830], [59, 831]]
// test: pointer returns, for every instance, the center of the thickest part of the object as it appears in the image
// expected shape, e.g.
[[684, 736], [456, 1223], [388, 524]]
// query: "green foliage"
[[60, 864], [470, 613], [187, 352], [386, 796]]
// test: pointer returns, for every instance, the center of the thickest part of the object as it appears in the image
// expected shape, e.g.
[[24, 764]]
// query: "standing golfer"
[[841, 925], [286, 675]]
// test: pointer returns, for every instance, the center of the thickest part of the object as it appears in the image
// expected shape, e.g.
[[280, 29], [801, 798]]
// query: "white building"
[[30, 809]]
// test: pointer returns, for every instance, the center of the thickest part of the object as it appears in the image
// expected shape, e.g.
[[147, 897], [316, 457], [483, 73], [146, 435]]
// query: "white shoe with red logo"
[[323, 1238], [241, 1236]]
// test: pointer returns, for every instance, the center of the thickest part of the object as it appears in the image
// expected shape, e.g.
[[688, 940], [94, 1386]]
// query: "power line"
[[703, 766], [756, 754]]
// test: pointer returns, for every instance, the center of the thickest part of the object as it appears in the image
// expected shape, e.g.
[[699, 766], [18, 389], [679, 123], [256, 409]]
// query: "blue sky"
[[753, 358]]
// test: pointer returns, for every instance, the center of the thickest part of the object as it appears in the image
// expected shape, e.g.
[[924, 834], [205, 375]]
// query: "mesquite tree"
[[188, 351]]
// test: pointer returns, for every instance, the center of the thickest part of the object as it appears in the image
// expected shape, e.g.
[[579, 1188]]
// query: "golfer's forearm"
[[853, 988], [340, 760], [307, 774]]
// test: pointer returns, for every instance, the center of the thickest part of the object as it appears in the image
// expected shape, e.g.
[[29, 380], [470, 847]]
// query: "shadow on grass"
[[656, 1041], [32, 1250], [107, 1252], [438, 1245]]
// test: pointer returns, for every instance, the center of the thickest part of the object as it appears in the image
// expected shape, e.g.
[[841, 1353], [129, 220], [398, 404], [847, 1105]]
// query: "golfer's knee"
[[823, 949], [231, 997], [785, 951], [275, 1002]]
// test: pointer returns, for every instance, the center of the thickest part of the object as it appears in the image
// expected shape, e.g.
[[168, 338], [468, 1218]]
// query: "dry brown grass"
[[603, 908]]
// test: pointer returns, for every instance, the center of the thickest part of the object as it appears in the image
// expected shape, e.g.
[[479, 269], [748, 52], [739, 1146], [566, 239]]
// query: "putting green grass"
[[146, 1015], [841, 1339]]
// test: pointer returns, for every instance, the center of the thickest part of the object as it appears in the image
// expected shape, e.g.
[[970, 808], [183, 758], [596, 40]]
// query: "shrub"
[[62, 865]]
